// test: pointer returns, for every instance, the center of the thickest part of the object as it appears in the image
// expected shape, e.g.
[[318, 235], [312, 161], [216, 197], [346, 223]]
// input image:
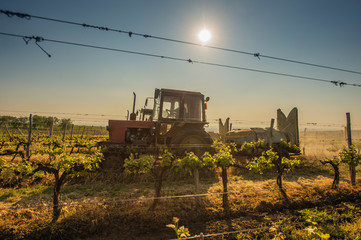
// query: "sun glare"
[[204, 35]]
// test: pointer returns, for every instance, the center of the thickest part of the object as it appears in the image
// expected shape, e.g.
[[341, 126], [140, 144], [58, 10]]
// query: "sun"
[[204, 35]]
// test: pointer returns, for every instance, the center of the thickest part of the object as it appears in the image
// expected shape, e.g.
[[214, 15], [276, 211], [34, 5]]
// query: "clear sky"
[[92, 81]]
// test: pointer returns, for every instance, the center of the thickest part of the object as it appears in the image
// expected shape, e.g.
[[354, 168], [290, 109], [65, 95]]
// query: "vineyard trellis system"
[[223, 155]]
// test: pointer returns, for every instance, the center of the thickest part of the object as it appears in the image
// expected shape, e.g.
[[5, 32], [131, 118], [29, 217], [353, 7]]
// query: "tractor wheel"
[[192, 136], [195, 137]]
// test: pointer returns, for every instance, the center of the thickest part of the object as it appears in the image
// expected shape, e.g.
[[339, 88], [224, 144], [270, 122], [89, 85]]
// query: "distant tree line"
[[38, 122]]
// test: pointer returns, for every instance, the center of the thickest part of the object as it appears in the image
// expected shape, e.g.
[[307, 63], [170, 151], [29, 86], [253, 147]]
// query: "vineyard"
[[56, 188]]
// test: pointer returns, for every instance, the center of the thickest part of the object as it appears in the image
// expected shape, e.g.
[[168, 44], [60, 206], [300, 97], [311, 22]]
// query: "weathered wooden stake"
[[64, 133], [29, 136], [22, 134], [89, 131], [7, 130], [349, 143], [271, 133], [196, 180], [51, 127], [71, 133], [82, 134], [304, 141]]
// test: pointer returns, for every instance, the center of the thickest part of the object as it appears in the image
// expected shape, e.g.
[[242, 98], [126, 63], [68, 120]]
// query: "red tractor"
[[176, 120]]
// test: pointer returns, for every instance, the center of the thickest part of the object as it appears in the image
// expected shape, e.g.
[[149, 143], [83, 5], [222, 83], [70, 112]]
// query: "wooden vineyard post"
[[82, 134], [22, 134], [64, 133], [7, 130], [71, 133], [223, 129], [271, 133], [29, 136], [304, 142], [51, 127], [196, 182], [89, 132], [349, 143]]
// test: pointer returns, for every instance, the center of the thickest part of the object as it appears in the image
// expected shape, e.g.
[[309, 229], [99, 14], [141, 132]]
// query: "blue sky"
[[91, 81]]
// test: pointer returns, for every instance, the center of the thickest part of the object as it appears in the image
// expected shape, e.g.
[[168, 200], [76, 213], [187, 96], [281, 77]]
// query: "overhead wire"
[[131, 33], [36, 38]]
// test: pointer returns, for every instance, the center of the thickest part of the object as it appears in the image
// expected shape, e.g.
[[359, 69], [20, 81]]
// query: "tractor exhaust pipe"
[[133, 116]]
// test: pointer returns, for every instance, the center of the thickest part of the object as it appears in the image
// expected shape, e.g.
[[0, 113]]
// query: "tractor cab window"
[[171, 107], [192, 108]]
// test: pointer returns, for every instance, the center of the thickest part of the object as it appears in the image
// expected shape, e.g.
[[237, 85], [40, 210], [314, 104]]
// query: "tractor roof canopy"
[[178, 105]]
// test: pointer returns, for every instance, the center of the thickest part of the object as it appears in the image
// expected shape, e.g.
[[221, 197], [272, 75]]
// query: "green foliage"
[[181, 232], [3, 142], [73, 164], [350, 156], [313, 216], [62, 161], [165, 159], [65, 122], [145, 163], [188, 163], [85, 146], [357, 143], [59, 159], [51, 152], [351, 210], [142, 164], [13, 121], [316, 233], [191, 161], [289, 147], [289, 163], [266, 161], [38, 121], [223, 156], [43, 122], [11, 169], [274, 157], [244, 236], [54, 142], [336, 160], [284, 149], [276, 230], [253, 149], [209, 161]]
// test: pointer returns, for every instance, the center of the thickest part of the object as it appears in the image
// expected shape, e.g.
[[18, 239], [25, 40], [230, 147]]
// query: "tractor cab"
[[175, 105], [176, 112]]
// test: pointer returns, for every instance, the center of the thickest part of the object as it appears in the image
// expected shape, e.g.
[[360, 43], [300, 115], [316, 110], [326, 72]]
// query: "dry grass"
[[325, 144], [86, 216], [251, 197]]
